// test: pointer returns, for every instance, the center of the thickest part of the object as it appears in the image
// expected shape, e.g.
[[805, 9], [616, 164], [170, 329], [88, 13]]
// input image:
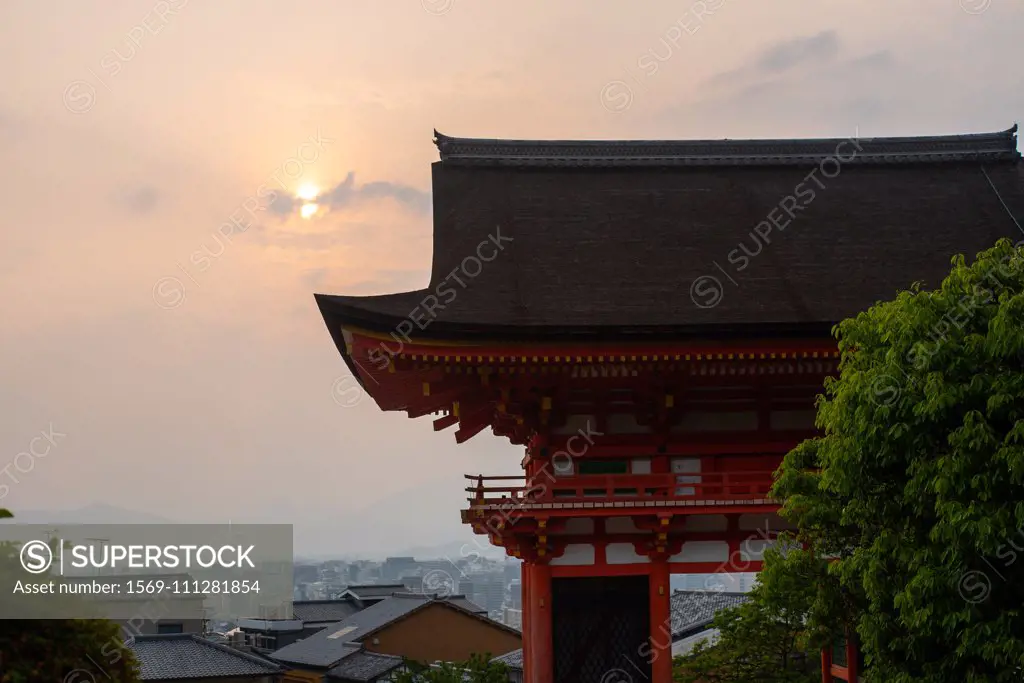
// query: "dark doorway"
[[600, 627]]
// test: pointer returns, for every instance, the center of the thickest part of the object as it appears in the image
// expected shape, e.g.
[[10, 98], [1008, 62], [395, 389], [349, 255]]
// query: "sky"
[[162, 352]]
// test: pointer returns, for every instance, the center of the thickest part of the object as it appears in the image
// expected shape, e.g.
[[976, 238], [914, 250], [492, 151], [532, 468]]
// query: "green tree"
[[766, 639], [59, 650], [916, 488], [478, 669]]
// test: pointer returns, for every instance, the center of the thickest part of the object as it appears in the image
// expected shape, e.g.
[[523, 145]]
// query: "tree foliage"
[[71, 650], [916, 488], [764, 640], [478, 669]]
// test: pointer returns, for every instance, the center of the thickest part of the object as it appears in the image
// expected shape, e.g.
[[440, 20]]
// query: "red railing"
[[621, 487]]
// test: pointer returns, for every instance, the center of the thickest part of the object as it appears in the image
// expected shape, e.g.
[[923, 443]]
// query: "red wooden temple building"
[[651, 322]]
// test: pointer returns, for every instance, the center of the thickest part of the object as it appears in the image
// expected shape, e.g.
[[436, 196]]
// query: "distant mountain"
[[90, 514]]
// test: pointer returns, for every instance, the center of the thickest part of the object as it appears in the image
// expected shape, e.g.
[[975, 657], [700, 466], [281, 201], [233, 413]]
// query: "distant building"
[[396, 567], [513, 616], [695, 582], [514, 595], [413, 584], [488, 591], [512, 570]]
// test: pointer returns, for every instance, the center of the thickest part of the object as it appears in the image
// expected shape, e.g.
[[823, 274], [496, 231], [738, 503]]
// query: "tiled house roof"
[[513, 660], [376, 591], [324, 611], [693, 611], [363, 666], [188, 656]]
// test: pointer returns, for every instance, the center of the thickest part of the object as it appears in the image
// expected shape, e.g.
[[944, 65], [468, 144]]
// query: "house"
[[181, 657], [422, 628]]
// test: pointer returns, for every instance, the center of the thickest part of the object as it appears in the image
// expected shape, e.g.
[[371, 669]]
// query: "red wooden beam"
[[445, 422], [518, 354]]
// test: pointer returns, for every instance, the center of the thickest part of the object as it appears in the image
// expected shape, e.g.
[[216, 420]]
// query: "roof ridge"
[[994, 146], [232, 651]]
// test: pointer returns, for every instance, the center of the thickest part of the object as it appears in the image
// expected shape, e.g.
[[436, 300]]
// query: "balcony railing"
[[751, 485]]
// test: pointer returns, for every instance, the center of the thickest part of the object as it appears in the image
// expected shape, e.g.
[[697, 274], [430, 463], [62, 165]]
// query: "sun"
[[308, 210], [308, 192]]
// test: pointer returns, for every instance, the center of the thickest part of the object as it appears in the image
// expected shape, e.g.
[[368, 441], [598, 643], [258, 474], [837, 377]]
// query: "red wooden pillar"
[[661, 621], [540, 651], [851, 657], [826, 665], [527, 572]]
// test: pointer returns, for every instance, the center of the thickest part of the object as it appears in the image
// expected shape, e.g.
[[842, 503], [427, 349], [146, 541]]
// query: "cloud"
[[346, 194], [141, 199], [830, 97], [785, 56], [788, 54], [283, 204]]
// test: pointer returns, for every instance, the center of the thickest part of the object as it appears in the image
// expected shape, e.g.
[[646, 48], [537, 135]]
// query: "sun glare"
[[308, 210], [308, 192]]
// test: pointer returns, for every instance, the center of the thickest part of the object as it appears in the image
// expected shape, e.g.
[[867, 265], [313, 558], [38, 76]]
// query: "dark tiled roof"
[[377, 590], [326, 648], [324, 611], [949, 148], [466, 604], [692, 611], [364, 666], [616, 252], [513, 660], [171, 657]]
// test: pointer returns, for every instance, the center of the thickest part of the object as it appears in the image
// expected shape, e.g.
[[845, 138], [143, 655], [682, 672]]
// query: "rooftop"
[[324, 611], [363, 666], [188, 656], [730, 239], [693, 611], [371, 591], [1000, 146]]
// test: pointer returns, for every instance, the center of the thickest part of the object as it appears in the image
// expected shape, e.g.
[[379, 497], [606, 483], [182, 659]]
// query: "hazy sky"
[[131, 131]]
